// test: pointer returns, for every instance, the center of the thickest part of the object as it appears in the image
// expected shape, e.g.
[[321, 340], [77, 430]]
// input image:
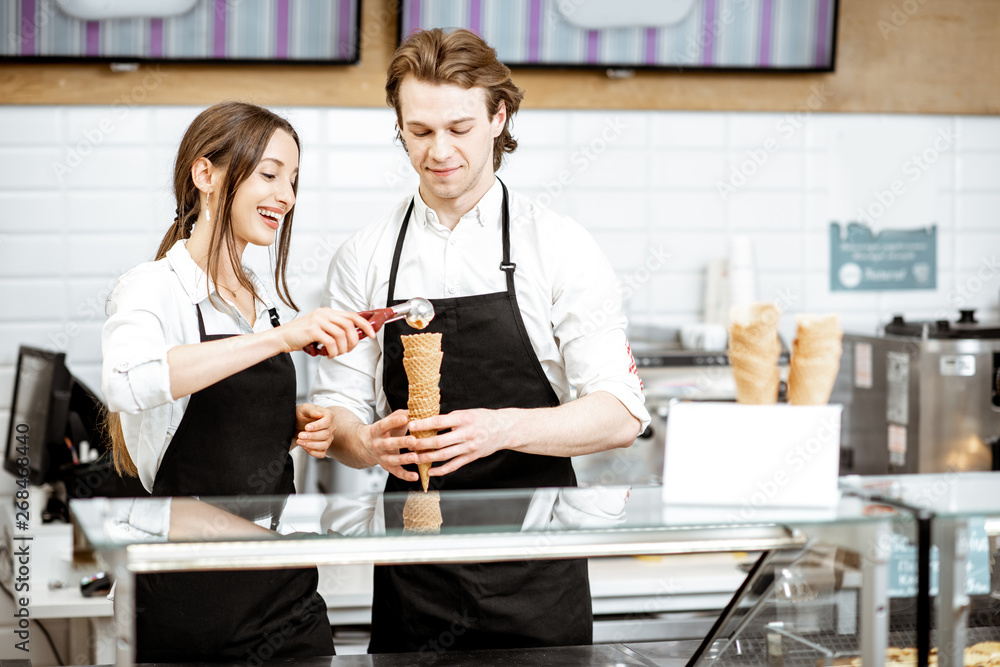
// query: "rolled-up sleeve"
[[135, 376], [589, 327], [348, 380]]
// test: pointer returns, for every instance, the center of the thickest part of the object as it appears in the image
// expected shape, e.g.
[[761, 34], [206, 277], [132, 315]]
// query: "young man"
[[530, 316]]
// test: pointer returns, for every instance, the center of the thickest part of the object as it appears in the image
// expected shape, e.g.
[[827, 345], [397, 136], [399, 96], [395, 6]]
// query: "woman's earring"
[[208, 215]]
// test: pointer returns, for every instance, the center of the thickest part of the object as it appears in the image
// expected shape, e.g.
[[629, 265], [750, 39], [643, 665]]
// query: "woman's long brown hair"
[[233, 137]]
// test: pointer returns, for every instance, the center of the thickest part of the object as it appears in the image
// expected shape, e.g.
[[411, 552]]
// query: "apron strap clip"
[[508, 266], [275, 322]]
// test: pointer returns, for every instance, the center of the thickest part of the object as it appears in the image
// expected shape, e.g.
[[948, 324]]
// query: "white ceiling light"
[[100, 10], [603, 14]]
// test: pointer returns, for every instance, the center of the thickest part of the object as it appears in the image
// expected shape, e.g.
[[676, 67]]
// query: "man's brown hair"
[[460, 58]]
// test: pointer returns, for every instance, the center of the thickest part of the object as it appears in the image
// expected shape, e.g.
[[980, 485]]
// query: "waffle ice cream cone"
[[422, 512], [754, 348], [422, 361], [815, 359]]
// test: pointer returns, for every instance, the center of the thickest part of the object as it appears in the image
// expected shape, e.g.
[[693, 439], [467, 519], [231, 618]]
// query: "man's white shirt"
[[566, 290]]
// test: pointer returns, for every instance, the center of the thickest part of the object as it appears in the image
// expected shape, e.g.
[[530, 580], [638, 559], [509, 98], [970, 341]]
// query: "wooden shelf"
[[941, 57]]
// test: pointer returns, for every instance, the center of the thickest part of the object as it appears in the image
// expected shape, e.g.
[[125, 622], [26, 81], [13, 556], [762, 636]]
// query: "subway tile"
[[36, 125], [688, 249], [819, 130], [817, 250], [560, 204], [938, 300], [765, 211], [944, 211], [371, 168], [779, 251], [817, 176], [171, 123], [549, 169], [7, 374], [31, 211], [113, 168], [88, 297], [84, 342], [611, 209], [681, 129], [103, 211], [820, 298], [978, 250], [946, 251], [688, 169], [361, 127], [309, 123], [978, 171], [107, 256], [762, 131], [784, 289], [597, 131], [756, 169], [311, 179], [541, 127], [624, 250], [820, 212], [624, 168], [32, 169], [342, 211], [32, 255], [309, 258], [976, 210], [677, 293], [27, 299], [977, 289], [44, 335], [105, 125], [686, 210], [978, 133]]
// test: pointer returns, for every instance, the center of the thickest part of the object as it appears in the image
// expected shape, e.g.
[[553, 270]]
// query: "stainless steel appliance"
[[923, 397]]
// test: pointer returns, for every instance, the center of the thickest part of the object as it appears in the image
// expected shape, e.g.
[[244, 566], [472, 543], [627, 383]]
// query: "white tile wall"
[[85, 194]]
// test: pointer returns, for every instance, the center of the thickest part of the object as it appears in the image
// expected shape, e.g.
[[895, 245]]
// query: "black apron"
[[488, 363], [233, 441]]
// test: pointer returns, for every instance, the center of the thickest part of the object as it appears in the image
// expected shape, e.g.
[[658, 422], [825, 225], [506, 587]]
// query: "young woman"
[[201, 387]]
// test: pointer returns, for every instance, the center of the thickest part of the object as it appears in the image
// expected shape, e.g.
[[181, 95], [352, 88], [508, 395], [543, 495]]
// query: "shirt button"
[[451, 290], [451, 242]]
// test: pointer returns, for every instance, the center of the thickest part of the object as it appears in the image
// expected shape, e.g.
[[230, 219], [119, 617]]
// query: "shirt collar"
[[195, 281], [485, 212]]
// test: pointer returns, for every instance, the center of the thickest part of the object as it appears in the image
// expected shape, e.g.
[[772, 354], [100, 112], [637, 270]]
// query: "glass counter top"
[[469, 526], [948, 495]]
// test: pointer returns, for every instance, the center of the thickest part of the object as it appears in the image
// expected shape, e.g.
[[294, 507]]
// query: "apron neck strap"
[[506, 265]]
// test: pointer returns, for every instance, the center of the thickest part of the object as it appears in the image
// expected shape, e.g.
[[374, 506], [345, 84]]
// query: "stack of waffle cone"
[[422, 513], [754, 348], [815, 359], [422, 360]]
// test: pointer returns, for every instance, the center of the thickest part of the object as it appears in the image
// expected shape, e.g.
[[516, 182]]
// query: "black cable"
[[45, 632]]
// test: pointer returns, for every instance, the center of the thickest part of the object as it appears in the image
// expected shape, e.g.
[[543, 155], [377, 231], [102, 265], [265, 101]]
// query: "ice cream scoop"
[[418, 313]]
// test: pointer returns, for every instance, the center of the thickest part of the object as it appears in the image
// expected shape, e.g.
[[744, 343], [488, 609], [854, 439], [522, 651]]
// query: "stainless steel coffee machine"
[[922, 398]]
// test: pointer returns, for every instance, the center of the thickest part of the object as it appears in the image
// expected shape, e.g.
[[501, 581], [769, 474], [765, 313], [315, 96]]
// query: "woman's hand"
[[385, 438], [335, 330], [314, 429]]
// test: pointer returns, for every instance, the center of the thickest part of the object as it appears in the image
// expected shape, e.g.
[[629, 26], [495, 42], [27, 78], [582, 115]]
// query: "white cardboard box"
[[756, 456]]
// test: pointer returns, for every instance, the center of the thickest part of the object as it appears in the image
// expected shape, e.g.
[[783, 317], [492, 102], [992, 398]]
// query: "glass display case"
[[821, 591]]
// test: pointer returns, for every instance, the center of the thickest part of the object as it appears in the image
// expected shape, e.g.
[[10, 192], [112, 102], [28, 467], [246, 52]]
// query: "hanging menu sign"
[[862, 260]]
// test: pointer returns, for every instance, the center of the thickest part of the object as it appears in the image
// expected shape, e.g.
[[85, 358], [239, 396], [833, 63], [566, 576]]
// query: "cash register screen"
[[41, 396]]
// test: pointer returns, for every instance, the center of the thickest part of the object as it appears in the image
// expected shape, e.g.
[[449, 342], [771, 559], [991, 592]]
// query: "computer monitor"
[[42, 388]]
